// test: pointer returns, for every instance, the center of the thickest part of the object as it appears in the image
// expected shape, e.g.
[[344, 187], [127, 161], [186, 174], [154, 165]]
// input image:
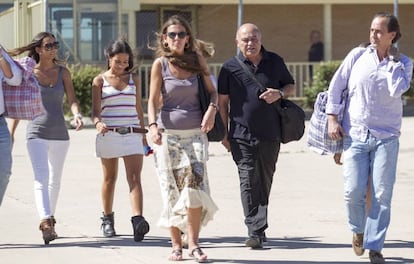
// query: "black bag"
[[292, 120], [218, 131], [292, 116]]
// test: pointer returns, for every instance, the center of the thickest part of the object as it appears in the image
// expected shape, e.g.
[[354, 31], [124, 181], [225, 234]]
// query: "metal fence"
[[299, 70]]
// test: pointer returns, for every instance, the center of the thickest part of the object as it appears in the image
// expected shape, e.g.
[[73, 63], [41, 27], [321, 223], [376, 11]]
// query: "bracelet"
[[152, 124], [215, 106], [99, 121]]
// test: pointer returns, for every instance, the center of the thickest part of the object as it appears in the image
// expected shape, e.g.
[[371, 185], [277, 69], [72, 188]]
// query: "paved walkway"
[[306, 214]]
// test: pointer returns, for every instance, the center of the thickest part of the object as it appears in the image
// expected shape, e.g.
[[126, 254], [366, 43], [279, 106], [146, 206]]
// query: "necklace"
[[44, 77]]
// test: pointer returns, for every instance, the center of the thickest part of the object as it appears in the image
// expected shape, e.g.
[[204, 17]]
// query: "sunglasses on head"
[[50, 46], [173, 35]]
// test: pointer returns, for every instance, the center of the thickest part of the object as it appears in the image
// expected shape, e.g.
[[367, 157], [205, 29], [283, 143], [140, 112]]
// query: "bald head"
[[248, 39], [248, 28]]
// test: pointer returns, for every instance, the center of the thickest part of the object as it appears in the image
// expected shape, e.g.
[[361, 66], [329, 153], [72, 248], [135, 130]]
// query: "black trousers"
[[256, 163]]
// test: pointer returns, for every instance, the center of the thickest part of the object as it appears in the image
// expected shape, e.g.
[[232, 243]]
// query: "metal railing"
[[299, 70]]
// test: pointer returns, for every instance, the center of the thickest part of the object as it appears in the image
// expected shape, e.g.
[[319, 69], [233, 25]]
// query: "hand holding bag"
[[218, 131], [23, 101], [318, 139], [292, 116]]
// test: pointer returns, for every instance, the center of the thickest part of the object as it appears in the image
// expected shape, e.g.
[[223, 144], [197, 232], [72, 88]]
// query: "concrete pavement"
[[306, 213]]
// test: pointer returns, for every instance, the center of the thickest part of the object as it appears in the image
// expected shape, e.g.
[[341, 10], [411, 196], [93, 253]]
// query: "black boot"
[[108, 225], [140, 227]]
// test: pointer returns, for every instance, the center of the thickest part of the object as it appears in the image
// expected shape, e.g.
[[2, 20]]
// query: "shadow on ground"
[[289, 243]]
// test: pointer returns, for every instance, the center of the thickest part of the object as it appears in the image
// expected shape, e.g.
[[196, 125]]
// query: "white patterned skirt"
[[181, 167]]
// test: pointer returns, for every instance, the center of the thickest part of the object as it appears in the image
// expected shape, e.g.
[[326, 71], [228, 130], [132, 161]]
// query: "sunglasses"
[[173, 35], [51, 46]]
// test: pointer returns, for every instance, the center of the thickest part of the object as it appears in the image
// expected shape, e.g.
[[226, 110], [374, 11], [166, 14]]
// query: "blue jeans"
[[5, 157], [372, 162]]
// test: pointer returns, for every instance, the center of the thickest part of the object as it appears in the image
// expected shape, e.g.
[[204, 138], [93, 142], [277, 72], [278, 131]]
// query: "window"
[[85, 39], [146, 27], [187, 15], [97, 30], [61, 25], [4, 7]]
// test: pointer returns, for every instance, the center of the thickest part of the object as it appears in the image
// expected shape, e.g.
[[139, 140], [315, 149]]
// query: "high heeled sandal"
[[198, 255]]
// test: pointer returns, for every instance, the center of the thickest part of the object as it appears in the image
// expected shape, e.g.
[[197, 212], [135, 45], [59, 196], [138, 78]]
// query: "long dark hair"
[[120, 46], [392, 24], [31, 47]]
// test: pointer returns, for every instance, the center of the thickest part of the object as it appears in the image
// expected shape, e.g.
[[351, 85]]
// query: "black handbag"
[[218, 131], [292, 121], [292, 116]]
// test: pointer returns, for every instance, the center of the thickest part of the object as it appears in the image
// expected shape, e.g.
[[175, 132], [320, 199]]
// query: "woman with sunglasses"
[[47, 135], [179, 134]]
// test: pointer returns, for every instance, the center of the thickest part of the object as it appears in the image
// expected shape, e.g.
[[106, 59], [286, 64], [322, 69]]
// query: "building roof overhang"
[[274, 2]]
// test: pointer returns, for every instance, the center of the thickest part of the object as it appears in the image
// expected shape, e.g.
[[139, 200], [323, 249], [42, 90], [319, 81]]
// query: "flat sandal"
[[198, 255], [176, 255]]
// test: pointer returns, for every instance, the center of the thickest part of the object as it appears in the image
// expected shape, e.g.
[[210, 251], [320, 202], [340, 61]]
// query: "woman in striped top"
[[119, 119]]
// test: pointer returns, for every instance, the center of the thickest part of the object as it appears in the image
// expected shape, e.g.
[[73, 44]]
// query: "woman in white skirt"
[[119, 120], [179, 135]]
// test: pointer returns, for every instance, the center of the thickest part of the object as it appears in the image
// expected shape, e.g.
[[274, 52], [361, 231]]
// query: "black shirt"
[[251, 117], [316, 52]]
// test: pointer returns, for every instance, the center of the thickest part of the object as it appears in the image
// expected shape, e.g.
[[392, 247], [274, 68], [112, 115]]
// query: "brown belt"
[[127, 130]]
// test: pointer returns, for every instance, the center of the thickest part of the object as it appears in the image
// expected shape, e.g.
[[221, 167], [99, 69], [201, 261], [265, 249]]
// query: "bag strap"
[[251, 75], [262, 88]]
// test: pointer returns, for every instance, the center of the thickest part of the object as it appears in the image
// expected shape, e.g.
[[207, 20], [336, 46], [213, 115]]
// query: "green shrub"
[[322, 75], [82, 76]]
